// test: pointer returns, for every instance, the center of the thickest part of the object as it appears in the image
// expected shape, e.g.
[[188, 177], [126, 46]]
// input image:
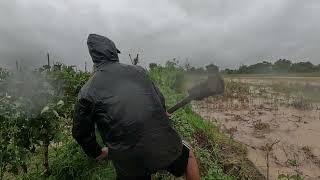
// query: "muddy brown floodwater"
[[257, 122]]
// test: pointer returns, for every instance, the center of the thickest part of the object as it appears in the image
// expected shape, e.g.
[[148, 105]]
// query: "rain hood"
[[102, 49]]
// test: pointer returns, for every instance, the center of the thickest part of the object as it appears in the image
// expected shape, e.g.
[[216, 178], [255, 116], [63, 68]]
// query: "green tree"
[[152, 65], [243, 69], [212, 68], [261, 68], [200, 70], [187, 66], [34, 119], [282, 66], [303, 67], [3, 74], [229, 71]]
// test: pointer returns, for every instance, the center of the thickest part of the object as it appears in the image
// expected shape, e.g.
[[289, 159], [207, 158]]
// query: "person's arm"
[[83, 129]]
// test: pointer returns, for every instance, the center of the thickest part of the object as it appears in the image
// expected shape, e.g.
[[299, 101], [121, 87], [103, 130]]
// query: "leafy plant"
[[290, 177], [4, 74], [297, 176], [35, 113], [292, 162]]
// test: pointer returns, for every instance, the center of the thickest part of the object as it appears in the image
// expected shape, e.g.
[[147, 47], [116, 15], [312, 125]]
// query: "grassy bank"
[[219, 157]]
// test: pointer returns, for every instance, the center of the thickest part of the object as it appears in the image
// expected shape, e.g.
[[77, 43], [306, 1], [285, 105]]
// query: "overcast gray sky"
[[227, 33]]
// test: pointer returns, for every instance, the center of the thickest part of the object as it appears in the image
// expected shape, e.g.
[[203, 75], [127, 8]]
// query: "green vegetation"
[[281, 66], [217, 153], [297, 176], [305, 92], [3, 74], [27, 134]]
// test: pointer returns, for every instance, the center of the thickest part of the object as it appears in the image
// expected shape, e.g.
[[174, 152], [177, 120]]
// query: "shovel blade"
[[214, 85]]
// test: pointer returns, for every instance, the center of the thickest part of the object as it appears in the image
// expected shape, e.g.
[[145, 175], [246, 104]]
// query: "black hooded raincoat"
[[129, 112]]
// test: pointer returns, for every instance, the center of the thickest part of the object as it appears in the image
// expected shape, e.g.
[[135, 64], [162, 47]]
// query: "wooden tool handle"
[[180, 104]]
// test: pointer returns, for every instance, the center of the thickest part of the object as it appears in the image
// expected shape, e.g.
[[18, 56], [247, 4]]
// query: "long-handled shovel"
[[214, 85]]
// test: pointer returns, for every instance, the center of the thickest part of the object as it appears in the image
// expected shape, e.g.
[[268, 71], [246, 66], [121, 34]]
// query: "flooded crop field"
[[277, 118]]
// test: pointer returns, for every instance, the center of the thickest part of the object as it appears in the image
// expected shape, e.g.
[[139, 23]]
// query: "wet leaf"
[[45, 109]]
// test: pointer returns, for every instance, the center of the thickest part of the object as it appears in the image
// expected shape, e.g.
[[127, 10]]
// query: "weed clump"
[[261, 126], [301, 103]]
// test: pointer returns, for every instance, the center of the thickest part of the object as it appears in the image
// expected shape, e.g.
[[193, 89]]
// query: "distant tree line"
[[188, 68], [264, 67], [280, 66]]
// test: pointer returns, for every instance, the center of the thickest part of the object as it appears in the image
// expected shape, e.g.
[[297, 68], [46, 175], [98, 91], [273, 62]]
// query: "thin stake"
[[17, 66], [136, 60], [131, 59], [48, 59]]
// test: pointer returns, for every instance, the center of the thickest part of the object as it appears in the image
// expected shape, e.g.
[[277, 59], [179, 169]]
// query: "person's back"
[[129, 112], [128, 109]]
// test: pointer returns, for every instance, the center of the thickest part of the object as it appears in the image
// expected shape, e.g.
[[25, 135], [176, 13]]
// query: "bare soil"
[[260, 121]]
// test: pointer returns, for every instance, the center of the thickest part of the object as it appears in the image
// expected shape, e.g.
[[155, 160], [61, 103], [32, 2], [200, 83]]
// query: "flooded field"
[[278, 123]]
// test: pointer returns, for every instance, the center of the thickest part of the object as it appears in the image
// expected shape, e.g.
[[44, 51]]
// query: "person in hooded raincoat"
[[130, 114]]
